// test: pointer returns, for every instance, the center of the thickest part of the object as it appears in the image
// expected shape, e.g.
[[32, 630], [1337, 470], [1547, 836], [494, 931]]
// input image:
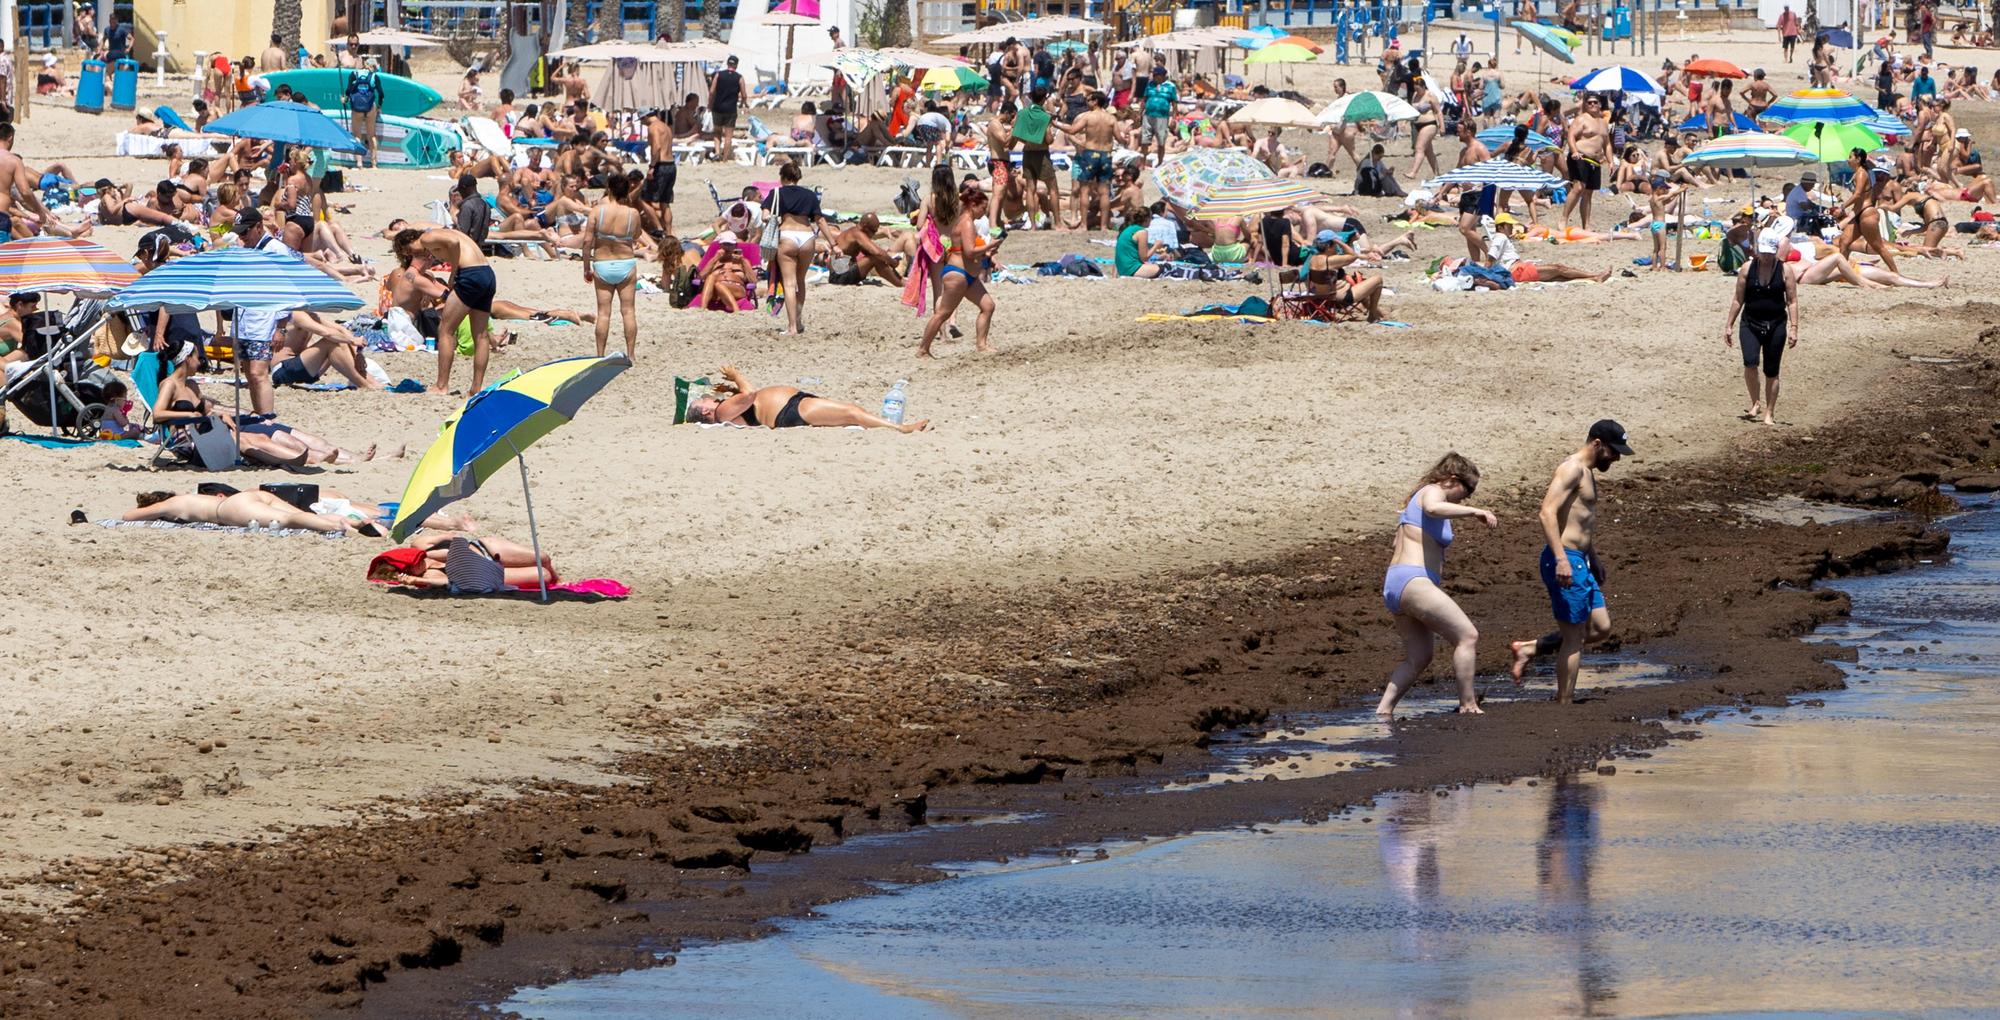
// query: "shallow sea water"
[[1841, 860]]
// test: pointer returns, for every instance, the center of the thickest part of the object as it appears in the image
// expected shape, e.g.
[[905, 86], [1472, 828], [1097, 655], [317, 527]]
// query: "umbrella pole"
[[1681, 229], [236, 358], [534, 536]]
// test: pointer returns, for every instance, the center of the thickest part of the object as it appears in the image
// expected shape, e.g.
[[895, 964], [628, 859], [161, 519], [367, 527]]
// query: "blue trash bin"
[[125, 85], [90, 87], [1617, 23]]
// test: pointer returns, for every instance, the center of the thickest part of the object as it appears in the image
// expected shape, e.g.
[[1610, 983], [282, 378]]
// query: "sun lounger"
[[970, 159], [694, 152], [805, 155], [902, 156]]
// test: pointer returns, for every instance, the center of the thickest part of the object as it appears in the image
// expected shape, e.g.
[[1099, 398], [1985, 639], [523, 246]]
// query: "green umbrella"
[[950, 79], [1832, 142]]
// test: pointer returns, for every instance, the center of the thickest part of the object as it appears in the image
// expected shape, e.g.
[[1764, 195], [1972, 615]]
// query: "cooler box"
[[125, 85], [90, 87]]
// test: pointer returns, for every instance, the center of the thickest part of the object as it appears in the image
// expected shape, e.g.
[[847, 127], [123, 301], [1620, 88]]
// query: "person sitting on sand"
[[782, 407], [420, 563], [856, 254], [180, 402], [1422, 612], [308, 344], [241, 510], [727, 281]]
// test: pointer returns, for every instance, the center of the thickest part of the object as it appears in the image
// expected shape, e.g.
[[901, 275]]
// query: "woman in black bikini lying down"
[[240, 510], [783, 407]]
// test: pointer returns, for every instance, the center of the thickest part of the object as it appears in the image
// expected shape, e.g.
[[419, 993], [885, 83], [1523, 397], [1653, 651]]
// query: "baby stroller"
[[59, 387]]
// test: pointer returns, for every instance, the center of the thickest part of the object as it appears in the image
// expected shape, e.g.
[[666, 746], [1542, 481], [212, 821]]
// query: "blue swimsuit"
[[1438, 530]]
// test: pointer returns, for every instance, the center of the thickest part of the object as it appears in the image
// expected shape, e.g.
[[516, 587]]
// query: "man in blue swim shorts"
[[1574, 578]]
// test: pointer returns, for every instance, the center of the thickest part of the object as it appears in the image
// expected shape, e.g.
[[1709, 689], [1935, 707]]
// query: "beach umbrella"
[[1060, 23], [1356, 107], [1839, 38], [1185, 177], [1618, 78], [1751, 150], [951, 79], [1888, 125], [406, 40], [806, 8], [1281, 53], [1830, 143], [1502, 174], [56, 265], [1738, 123], [1275, 112], [1546, 40], [1064, 47], [239, 279], [1713, 67], [1830, 106], [1299, 40], [493, 428], [1249, 198], [639, 52], [1260, 37], [1499, 136], [60, 265], [287, 123]]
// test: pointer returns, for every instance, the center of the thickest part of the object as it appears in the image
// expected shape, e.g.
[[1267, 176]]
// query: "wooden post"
[[22, 76], [1680, 229]]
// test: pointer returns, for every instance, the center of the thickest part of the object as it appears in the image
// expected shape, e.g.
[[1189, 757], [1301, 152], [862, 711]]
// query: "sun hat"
[[1963, 133], [1767, 243]]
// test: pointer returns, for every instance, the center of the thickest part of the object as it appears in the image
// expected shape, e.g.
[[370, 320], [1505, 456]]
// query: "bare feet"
[[1603, 276], [1523, 651], [920, 425], [1470, 708]]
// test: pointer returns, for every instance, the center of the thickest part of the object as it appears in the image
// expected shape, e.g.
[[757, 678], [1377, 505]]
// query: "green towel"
[[686, 391]]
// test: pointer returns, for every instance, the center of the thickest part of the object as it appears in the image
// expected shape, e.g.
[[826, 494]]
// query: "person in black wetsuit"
[[783, 407], [1767, 299]]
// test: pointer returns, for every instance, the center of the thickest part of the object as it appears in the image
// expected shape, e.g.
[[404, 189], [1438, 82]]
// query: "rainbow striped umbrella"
[[1248, 198], [1281, 53], [1750, 150], [59, 265], [1830, 106], [1185, 178]]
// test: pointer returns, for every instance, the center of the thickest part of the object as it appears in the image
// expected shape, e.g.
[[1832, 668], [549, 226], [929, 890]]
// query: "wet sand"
[[1118, 528]]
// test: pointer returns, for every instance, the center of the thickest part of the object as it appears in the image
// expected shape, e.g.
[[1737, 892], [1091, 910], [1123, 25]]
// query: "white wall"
[[763, 46]]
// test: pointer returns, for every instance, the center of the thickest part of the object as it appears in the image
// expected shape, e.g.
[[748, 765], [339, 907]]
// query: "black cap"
[[1611, 434], [247, 220], [732, 60]]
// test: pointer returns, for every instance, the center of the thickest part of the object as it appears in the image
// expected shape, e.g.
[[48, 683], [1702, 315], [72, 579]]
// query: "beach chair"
[[903, 156], [970, 159], [1301, 305], [206, 444]]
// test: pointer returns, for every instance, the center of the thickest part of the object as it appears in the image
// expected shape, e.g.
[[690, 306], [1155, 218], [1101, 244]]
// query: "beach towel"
[[53, 443], [229, 529], [930, 251], [590, 589]]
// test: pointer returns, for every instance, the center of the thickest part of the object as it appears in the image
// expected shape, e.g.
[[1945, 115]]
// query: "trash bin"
[[90, 87], [1618, 23], [125, 85]]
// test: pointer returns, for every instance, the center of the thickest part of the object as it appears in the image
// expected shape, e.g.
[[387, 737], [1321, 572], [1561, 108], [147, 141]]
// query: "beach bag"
[[769, 239], [470, 569], [909, 197], [362, 92]]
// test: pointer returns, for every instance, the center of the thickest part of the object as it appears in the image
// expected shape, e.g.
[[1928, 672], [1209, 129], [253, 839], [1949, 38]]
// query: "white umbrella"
[[1366, 106], [385, 37], [641, 52], [1275, 112]]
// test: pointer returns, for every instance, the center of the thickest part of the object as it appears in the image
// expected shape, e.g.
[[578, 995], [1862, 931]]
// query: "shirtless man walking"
[[1096, 133], [473, 286], [1587, 142], [1569, 523], [658, 193]]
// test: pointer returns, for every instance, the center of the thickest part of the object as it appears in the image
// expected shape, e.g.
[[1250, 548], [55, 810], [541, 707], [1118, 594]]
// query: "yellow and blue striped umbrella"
[[60, 265], [492, 429]]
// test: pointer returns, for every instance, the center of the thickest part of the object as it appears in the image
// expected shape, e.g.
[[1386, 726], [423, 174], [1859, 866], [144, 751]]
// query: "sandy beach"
[[174, 690]]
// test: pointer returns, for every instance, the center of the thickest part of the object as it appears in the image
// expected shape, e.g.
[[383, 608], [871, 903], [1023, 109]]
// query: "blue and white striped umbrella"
[[1499, 136], [236, 278], [1499, 173], [1888, 125], [1615, 79]]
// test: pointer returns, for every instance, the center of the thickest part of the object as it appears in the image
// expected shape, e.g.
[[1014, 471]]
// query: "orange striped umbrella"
[[1299, 40], [60, 265]]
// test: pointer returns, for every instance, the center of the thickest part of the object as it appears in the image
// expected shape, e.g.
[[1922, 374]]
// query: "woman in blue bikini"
[[966, 255], [1411, 590], [609, 262]]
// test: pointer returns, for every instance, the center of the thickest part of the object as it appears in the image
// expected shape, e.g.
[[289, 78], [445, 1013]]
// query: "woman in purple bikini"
[[1411, 591]]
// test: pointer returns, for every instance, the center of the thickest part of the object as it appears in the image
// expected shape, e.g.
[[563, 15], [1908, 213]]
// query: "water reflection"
[[1564, 859]]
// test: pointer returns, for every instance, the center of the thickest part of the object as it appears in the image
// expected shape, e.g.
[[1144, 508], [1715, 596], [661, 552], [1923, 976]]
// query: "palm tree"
[[672, 20], [610, 20], [711, 18], [286, 20]]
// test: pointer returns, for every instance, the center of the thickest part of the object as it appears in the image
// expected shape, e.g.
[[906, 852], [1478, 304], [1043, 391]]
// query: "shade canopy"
[[408, 40], [1832, 143], [1184, 178], [1499, 136], [1713, 67], [1275, 112], [1281, 53], [1231, 199], [1545, 40], [1828, 106], [1360, 107], [1618, 78], [1751, 150]]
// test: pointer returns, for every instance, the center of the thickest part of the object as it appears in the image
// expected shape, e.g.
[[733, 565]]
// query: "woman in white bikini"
[[800, 226]]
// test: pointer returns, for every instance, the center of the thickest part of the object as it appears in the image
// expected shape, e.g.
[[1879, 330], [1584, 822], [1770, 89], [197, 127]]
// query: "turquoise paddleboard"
[[326, 88], [408, 143]]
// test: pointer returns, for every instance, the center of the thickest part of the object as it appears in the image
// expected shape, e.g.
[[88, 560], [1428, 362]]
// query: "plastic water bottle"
[[892, 405]]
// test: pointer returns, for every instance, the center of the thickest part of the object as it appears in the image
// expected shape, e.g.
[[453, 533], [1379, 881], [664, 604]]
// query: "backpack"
[[909, 197], [361, 92]]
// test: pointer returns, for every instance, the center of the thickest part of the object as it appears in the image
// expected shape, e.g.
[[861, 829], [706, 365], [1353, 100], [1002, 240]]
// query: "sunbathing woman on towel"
[[240, 510], [420, 563], [783, 407]]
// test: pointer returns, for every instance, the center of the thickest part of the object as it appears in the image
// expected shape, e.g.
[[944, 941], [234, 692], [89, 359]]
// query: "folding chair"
[[1318, 307]]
